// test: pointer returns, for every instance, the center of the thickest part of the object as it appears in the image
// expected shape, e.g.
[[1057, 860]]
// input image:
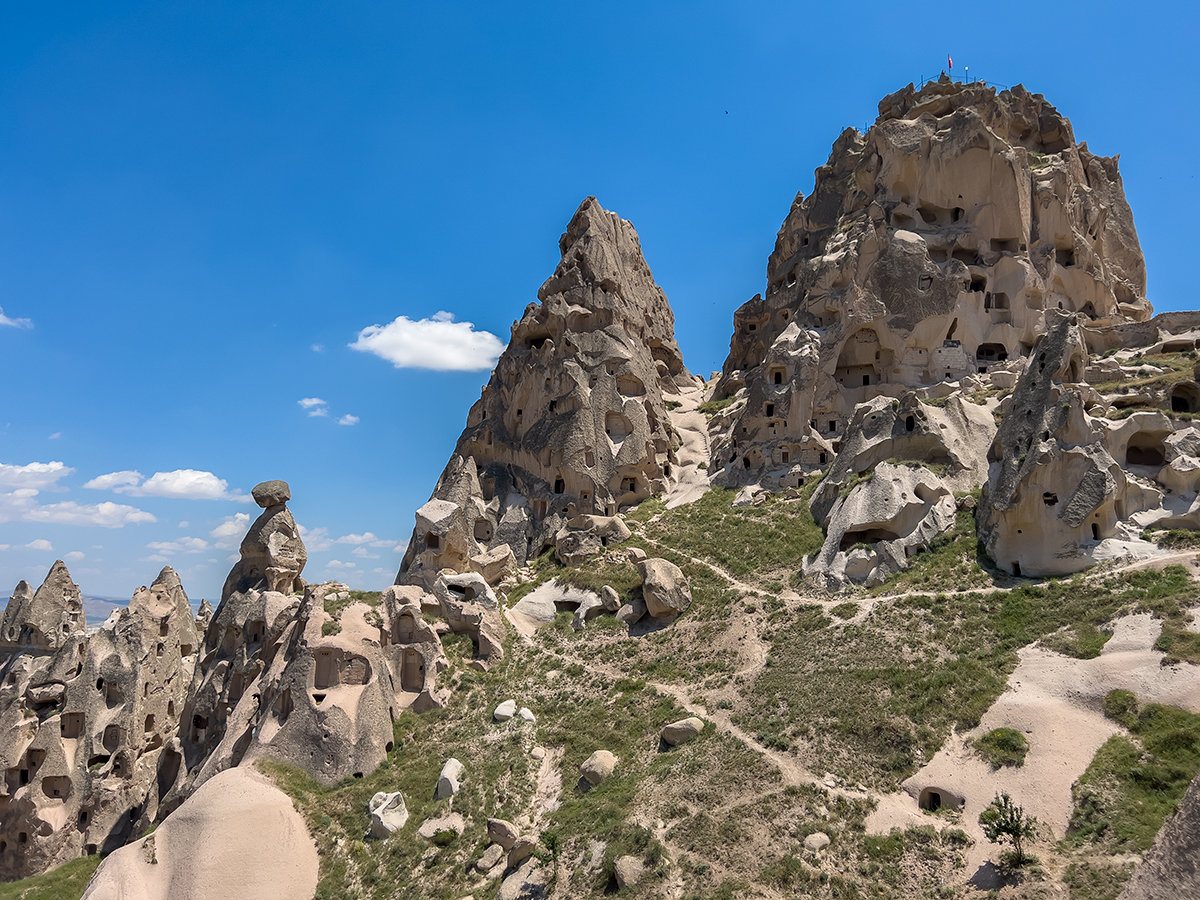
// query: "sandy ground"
[[689, 482], [1057, 702]]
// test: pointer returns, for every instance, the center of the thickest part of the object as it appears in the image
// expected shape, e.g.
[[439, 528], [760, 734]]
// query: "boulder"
[[448, 781], [490, 858], [522, 849], [388, 813], [599, 766], [503, 833], [528, 882], [271, 493], [505, 711], [588, 608], [682, 731], [610, 600], [664, 588], [633, 611], [526, 715], [816, 841], [628, 871]]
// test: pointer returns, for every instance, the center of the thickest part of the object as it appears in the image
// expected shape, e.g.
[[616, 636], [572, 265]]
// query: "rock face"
[[664, 588], [934, 251], [238, 830], [573, 421], [1054, 491], [87, 723]]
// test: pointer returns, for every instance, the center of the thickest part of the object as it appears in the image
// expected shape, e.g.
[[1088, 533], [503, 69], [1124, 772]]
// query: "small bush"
[[1002, 747], [1005, 822]]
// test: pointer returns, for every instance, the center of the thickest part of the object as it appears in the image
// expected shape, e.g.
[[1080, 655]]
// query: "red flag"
[[949, 60]]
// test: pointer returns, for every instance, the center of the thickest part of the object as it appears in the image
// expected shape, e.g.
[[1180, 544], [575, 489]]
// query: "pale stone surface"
[[505, 711], [271, 493], [388, 813], [664, 588], [442, 829], [526, 714], [489, 858], [599, 766], [503, 833], [681, 732], [522, 849], [628, 871], [818, 840], [237, 818], [449, 780]]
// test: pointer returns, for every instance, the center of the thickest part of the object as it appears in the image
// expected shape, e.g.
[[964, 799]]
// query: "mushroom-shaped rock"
[[598, 766], [388, 813], [448, 781], [503, 833], [272, 552], [664, 588], [505, 711], [682, 731]]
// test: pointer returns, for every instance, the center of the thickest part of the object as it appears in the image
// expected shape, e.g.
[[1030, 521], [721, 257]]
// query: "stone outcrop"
[[573, 421], [87, 721], [932, 254]]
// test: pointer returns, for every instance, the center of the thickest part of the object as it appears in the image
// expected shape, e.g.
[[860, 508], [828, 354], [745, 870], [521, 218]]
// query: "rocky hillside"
[[927, 541]]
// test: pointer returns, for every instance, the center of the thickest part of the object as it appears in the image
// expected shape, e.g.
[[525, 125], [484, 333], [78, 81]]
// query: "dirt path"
[[689, 482]]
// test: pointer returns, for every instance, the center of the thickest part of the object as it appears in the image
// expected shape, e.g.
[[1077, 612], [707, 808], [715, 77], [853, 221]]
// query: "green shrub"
[[1002, 747]]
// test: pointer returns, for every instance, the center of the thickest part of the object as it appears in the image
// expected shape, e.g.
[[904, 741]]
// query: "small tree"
[[1003, 821]]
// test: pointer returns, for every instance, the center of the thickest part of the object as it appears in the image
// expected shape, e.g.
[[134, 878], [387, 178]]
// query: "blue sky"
[[202, 206]]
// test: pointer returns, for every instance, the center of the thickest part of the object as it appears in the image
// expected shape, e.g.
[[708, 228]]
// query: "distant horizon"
[[245, 243]]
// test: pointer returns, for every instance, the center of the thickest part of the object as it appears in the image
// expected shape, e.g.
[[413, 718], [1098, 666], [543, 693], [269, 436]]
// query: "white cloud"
[[438, 343], [228, 533], [157, 557], [14, 323], [183, 524], [181, 545], [316, 540], [348, 420], [39, 544], [318, 348], [36, 476], [338, 564], [316, 413], [233, 557], [114, 480], [314, 405], [21, 505], [55, 436], [5, 546], [365, 538], [179, 484], [364, 553], [74, 556]]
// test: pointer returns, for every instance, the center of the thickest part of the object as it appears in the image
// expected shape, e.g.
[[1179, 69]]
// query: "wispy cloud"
[[180, 484], [364, 553], [318, 348], [14, 323], [338, 564], [316, 540], [74, 556], [36, 476], [55, 436], [22, 505], [438, 343], [40, 544], [348, 420], [181, 545], [315, 406], [228, 533]]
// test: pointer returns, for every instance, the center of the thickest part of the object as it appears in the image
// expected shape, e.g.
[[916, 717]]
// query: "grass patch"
[[953, 561], [1133, 783], [1082, 640], [712, 407], [847, 610], [64, 883], [334, 605], [1002, 747], [1097, 881], [861, 700], [1178, 644], [1173, 539]]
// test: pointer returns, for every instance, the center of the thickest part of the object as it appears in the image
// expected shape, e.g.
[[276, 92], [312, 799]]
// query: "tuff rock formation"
[[931, 253], [573, 421], [86, 720]]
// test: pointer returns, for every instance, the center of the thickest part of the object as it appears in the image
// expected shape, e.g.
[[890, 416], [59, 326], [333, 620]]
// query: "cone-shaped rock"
[[573, 420]]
